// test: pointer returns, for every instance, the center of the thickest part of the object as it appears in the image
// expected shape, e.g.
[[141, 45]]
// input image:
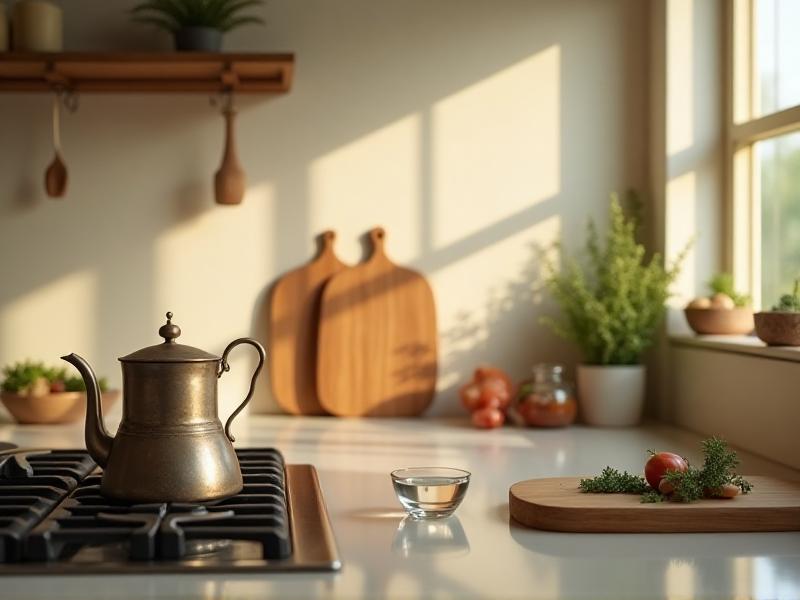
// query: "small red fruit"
[[488, 418], [56, 387], [660, 464], [470, 396]]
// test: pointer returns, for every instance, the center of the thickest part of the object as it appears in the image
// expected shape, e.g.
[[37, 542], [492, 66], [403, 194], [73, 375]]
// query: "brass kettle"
[[170, 446]]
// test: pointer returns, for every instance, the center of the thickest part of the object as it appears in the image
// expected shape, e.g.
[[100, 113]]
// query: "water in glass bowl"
[[430, 492]]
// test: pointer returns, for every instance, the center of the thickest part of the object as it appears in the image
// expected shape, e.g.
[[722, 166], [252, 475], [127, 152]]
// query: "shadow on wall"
[[469, 130]]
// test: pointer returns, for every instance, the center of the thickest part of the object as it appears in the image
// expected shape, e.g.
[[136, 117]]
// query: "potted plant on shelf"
[[611, 308], [35, 393], [781, 325], [725, 312], [196, 25]]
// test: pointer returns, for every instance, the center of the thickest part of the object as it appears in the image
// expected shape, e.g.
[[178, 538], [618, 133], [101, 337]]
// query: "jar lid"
[[169, 351]]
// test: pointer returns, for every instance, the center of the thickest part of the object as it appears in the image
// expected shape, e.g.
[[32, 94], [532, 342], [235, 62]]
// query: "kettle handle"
[[224, 367]]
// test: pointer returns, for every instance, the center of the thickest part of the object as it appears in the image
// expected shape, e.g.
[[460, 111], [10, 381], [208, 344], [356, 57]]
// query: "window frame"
[[742, 252]]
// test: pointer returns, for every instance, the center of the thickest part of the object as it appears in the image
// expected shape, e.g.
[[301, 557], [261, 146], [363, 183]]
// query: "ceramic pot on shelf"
[[3, 28], [198, 39], [611, 395], [37, 26]]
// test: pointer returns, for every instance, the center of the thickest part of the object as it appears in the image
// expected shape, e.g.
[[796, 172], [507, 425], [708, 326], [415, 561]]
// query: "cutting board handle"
[[377, 236], [326, 240]]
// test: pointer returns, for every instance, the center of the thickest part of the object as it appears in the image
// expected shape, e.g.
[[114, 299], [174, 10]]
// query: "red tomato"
[[488, 418], [470, 396], [494, 392], [659, 464], [56, 387], [485, 372]]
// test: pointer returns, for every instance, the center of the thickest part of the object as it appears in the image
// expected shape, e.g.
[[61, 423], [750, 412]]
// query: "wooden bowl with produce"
[[36, 394], [781, 325], [725, 312]]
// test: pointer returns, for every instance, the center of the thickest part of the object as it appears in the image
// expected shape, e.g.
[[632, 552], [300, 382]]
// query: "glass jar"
[[547, 400]]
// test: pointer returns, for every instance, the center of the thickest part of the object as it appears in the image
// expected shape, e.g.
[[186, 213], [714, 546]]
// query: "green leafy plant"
[[722, 283], [612, 307], [28, 376], [174, 15], [718, 470], [789, 302]]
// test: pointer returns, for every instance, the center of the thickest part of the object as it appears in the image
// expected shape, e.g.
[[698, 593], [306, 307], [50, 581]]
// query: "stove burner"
[[53, 519]]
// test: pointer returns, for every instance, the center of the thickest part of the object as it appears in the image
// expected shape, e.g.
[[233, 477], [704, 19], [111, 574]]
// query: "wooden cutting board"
[[293, 321], [377, 339], [556, 504]]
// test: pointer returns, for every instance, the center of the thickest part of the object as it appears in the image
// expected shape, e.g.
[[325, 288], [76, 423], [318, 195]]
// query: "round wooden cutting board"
[[376, 352], [556, 504], [293, 323]]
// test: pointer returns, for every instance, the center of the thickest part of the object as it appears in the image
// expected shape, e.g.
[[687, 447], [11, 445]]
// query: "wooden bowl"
[[64, 407], [720, 321], [778, 328]]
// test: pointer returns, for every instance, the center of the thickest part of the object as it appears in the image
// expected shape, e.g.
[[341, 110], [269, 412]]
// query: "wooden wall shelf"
[[194, 72]]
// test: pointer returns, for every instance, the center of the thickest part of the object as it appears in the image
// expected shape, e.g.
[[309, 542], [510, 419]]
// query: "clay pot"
[[776, 328], [720, 321], [64, 407]]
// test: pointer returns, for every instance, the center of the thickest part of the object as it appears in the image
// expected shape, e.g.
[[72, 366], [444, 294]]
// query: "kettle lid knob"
[[169, 331]]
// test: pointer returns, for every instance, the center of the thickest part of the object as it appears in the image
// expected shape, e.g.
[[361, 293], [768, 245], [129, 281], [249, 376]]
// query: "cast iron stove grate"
[[60, 523]]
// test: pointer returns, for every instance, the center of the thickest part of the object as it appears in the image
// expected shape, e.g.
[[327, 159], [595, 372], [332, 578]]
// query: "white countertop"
[[478, 553]]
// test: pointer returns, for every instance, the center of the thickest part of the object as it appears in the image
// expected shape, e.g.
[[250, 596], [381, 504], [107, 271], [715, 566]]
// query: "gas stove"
[[53, 521]]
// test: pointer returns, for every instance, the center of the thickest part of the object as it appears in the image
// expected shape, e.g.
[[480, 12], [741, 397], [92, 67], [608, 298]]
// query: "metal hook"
[[224, 101], [68, 97]]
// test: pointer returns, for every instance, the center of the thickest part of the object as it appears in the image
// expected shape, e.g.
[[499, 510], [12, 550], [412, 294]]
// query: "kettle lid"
[[169, 351]]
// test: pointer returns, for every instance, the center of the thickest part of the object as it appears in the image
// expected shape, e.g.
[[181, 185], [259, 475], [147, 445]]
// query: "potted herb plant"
[[196, 25], [611, 308], [781, 325], [35, 393]]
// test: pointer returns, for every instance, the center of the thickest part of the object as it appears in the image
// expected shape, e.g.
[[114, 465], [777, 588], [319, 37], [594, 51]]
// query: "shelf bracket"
[[229, 78]]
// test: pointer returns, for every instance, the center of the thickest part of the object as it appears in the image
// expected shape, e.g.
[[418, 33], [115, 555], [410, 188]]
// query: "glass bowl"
[[430, 492]]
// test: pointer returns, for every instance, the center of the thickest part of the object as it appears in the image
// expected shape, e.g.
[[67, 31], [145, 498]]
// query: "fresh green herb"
[[687, 485], [21, 377], [174, 15], [612, 306], [651, 496], [76, 384], [612, 481], [722, 283], [690, 485], [789, 302]]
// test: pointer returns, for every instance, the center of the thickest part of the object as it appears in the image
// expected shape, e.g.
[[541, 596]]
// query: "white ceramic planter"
[[611, 395]]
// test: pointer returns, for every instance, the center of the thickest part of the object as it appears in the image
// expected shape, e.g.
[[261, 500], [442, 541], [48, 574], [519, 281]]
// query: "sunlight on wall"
[[681, 211], [52, 320], [374, 180], [680, 65], [514, 113], [472, 321], [679, 580], [210, 271]]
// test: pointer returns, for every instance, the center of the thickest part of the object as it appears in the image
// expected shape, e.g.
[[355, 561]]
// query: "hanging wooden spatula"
[[55, 178], [229, 180]]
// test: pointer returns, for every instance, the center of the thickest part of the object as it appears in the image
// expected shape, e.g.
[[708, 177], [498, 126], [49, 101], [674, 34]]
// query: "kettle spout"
[[98, 442]]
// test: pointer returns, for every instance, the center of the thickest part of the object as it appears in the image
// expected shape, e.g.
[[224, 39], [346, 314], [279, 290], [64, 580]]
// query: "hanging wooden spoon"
[[55, 178], [229, 180]]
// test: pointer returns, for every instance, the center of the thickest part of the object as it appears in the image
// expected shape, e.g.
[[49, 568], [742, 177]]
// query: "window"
[[764, 143]]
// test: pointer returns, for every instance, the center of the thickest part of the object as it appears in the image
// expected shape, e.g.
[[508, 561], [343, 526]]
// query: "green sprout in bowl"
[[26, 377]]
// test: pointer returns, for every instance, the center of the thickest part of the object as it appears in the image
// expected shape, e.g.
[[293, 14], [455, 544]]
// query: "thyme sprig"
[[718, 469], [612, 481]]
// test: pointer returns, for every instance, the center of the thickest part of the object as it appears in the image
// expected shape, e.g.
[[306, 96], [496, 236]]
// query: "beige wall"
[[472, 130]]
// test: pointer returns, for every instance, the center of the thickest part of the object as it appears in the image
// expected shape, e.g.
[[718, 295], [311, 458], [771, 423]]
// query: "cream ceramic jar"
[[3, 28], [37, 26]]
